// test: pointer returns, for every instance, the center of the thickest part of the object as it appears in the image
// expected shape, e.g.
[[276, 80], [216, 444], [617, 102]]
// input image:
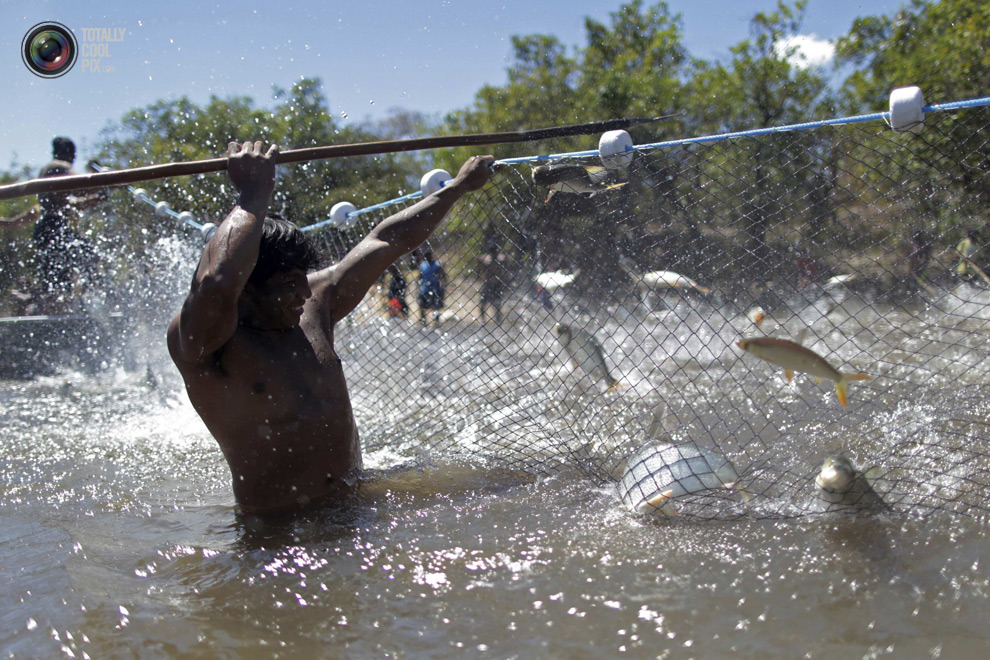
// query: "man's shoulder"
[[56, 167]]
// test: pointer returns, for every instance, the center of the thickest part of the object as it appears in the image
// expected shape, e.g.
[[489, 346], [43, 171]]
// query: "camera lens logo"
[[49, 50]]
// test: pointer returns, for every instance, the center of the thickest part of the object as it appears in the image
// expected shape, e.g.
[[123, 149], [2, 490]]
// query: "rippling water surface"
[[118, 538]]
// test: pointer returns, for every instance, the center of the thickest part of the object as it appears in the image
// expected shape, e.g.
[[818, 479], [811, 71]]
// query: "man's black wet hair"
[[64, 149], [283, 247]]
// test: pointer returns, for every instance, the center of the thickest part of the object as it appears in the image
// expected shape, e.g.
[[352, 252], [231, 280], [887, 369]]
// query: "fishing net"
[[842, 238]]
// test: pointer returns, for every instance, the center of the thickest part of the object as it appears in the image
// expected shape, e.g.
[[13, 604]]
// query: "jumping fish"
[[659, 279], [585, 352], [553, 280], [839, 280], [795, 357], [658, 474], [572, 178], [843, 487], [756, 314]]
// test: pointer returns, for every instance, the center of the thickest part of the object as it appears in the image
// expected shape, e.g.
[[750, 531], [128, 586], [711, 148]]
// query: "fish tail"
[[840, 385], [660, 501], [840, 391], [744, 494], [614, 386], [788, 374], [704, 290]]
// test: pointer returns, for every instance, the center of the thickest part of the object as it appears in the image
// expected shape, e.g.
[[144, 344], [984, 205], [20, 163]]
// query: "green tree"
[[631, 67], [635, 66], [539, 92], [15, 242], [179, 130], [944, 48], [762, 87]]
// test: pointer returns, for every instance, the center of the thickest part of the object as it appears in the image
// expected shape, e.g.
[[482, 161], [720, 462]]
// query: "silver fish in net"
[[658, 474], [844, 488]]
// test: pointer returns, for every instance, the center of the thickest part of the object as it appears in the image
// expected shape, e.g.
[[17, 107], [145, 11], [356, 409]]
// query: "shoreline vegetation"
[[732, 214]]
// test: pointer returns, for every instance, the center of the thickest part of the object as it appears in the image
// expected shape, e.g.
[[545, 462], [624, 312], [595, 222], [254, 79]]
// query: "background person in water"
[[63, 256], [254, 338]]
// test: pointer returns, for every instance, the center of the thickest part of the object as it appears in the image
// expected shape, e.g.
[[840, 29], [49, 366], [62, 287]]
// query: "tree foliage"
[[633, 65], [943, 47], [181, 130]]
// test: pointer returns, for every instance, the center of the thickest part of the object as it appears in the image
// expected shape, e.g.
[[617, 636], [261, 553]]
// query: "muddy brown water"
[[118, 538]]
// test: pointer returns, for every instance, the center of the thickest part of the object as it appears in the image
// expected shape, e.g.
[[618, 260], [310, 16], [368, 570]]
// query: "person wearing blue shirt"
[[432, 282]]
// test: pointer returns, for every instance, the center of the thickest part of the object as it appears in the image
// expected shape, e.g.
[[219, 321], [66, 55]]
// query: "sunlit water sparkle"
[[118, 537]]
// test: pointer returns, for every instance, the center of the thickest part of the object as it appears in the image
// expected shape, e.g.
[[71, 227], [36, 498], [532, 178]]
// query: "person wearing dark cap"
[[63, 155]]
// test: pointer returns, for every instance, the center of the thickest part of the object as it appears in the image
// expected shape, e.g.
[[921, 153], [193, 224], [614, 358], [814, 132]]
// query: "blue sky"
[[429, 56]]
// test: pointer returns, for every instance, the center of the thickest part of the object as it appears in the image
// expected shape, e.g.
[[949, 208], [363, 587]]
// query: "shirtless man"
[[255, 346]]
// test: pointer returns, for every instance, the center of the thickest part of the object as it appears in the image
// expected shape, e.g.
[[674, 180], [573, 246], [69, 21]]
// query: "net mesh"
[[843, 239]]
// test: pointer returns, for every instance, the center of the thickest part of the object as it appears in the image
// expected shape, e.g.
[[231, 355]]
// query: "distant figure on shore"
[[61, 254], [807, 267], [967, 248], [921, 253], [494, 277], [432, 287], [397, 305]]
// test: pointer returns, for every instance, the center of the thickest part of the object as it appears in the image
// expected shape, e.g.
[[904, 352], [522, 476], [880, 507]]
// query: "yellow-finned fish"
[[843, 487], [585, 352], [795, 357], [572, 178]]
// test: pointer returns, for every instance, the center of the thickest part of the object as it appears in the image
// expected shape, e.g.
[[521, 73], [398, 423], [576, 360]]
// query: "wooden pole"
[[149, 172]]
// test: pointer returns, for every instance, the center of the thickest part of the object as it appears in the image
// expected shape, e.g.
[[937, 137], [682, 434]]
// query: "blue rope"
[[391, 202], [367, 209], [536, 159], [957, 105], [938, 107], [174, 214]]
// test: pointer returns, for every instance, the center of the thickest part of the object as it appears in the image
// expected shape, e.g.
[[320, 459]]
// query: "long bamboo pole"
[[149, 172]]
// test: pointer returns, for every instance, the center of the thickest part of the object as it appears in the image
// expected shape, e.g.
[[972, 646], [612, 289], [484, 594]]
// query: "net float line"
[[165, 170]]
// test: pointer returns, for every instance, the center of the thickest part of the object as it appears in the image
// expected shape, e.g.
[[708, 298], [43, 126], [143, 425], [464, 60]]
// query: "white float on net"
[[906, 110], [343, 216], [433, 181], [615, 149]]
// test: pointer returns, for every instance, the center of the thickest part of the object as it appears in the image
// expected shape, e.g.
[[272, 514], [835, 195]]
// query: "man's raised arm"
[[209, 314], [343, 285]]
